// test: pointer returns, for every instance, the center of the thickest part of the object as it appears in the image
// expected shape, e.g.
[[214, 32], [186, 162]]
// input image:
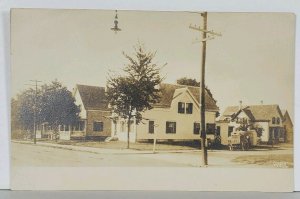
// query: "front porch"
[[277, 135], [120, 130]]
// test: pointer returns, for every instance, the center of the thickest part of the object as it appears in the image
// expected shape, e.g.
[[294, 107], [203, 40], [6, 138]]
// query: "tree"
[[188, 82], [24, 106], [193, 82], [58, 106], [245, 125], [53, 103], [135, 91]]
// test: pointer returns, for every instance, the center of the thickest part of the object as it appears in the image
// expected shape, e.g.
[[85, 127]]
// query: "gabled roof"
[[286, 116], [168, 90], [93, 97], [246, 111], [254, 112]]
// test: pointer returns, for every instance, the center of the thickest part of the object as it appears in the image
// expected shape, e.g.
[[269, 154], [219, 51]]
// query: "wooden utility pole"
[[205, 38], [203, 131], [34, 108]]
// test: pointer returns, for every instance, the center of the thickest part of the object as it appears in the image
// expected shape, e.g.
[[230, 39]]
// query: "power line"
[[35, 107], [205, 37]]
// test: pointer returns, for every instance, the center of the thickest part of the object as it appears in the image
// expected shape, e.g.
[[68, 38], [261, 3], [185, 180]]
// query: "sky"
[[252, 61]]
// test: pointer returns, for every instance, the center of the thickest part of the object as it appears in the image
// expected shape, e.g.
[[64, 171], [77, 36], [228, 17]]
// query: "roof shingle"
[[93, 97], [167, 92], [255, 112]]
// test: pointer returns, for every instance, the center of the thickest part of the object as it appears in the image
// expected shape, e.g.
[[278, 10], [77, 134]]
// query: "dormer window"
[[181, 107], [273, 120], [278, 120], [189, 108], [185, 107]]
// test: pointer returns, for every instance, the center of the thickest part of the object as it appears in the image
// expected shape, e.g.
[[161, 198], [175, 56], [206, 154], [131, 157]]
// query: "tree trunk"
[[128, 130]]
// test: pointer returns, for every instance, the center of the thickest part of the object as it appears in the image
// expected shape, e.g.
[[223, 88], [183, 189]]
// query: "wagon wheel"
[[209, 144], [217, 141], [245, 145], [230, 147]]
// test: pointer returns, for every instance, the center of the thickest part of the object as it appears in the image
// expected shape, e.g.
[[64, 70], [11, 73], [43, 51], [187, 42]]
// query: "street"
[[29, 155]]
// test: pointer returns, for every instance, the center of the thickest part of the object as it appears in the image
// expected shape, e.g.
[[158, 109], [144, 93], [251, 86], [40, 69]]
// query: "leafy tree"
[[58, 106], [193, 82], [25, 105], [135, 91], [245, 125], [53, 104], [188, 81]]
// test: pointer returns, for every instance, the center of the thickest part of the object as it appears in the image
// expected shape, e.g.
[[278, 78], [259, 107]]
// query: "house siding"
[[265, 134], [184, 122], [98, 116], [289, 133], [223, 132], [79, 103], [288, 127]]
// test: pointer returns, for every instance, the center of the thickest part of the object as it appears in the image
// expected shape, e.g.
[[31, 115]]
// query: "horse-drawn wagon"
[[243, 140]]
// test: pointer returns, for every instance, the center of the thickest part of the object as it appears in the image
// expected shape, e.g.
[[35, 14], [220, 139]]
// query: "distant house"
[[94, 116], [288, 126], [267, 117], [175, 117]]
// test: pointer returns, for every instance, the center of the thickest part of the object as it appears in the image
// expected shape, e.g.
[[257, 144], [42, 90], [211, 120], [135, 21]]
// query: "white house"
[[175, 117], [267, 117]]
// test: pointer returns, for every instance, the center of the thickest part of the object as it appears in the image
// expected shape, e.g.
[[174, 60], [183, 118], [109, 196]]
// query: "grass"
[[161, 145], [275, 160]]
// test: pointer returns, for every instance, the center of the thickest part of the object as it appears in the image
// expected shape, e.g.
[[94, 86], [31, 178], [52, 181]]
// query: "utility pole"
[[34, 108], [205, 36]]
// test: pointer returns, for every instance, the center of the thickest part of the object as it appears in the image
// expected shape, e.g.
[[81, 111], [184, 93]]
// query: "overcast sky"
[[252, 61]]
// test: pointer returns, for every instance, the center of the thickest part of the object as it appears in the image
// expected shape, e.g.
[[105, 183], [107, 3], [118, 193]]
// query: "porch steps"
[[108, 139]]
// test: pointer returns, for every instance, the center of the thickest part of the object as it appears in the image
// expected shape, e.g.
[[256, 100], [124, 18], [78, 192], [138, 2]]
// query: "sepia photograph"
[[126, 100]]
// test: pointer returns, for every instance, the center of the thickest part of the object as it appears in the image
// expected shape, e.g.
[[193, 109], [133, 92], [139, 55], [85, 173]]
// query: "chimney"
[[241, 102]]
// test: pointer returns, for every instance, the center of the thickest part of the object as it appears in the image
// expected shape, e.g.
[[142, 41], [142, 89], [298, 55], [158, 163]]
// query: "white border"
[[168, 5]]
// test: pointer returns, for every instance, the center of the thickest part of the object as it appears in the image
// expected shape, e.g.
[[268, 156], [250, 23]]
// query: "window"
[[170, 127], [151, 127], [278, 120], [273, 120], [218, 130], [66, 127], [196, 128], [189, 108], [98, 126], [181, 107], [230, 130], [210, 128], [79, 126], [61, 127]]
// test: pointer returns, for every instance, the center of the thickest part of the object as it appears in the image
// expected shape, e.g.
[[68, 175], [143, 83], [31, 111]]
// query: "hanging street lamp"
[[116, 28]]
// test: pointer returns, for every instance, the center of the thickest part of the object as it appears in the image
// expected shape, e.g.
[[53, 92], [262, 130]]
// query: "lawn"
[[161, 145], [275, 160]]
